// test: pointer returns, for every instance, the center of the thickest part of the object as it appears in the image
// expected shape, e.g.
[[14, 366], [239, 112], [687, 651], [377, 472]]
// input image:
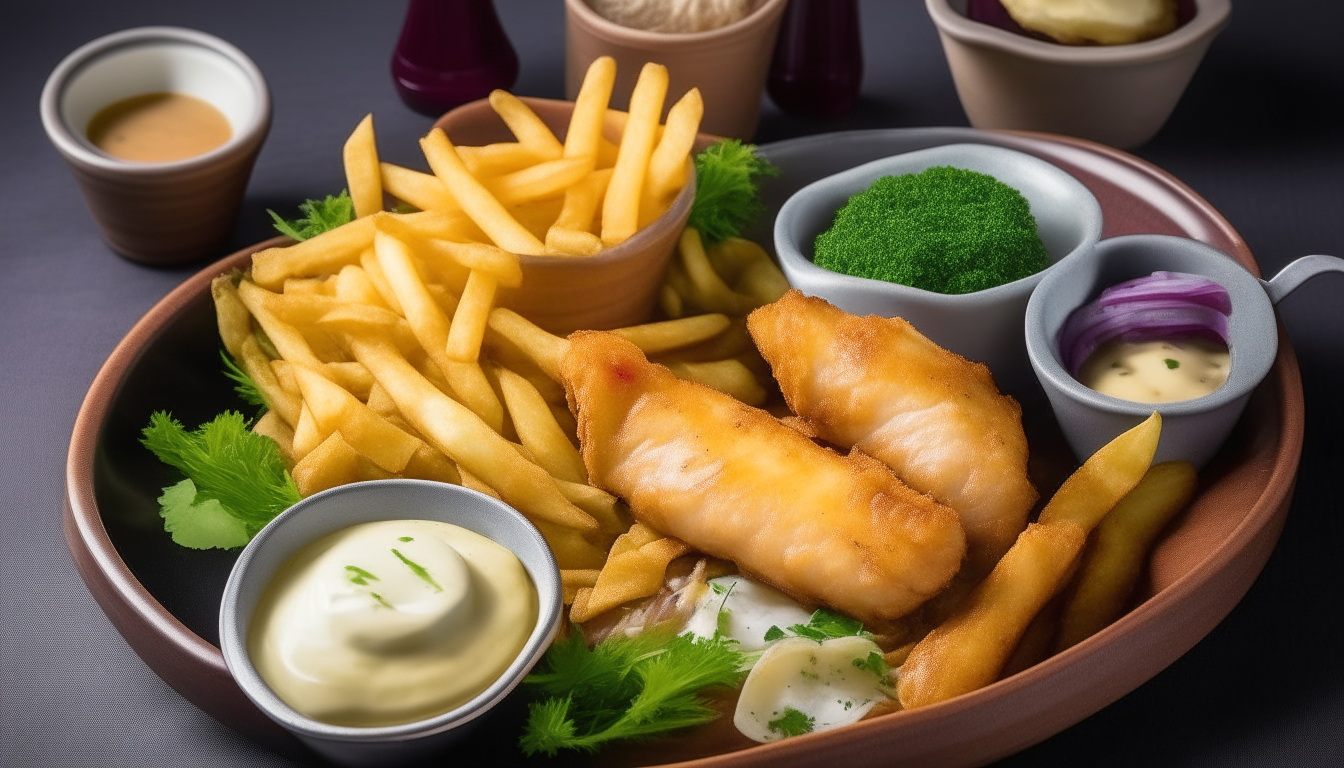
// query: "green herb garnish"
[[318, 216], [624, 688], [1172, 364], [875, 664], [823, 625], [359, 576], [243, 384], [236, 480], [792, 723], [418, 570], [727, 176]]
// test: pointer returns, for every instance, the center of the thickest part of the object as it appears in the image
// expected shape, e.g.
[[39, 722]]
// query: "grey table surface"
[[1257, 134]]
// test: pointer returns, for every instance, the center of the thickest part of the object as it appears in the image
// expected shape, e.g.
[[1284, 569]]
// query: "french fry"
[[312, 286], [1114, 559], [572, 579], [590, 109], [306, 434], [730, 377], [231, 315], [441, 225], [428, 464], [635, 568], [256, 364], [288, 341], [373, 270], [540, 181], [526, 126], [457, 432], [580, 206], [970, 648], [469, 321], [334, 409], [669, 165], [668, 299], [709, 292], [351, 376], [362, 175], [538, 216], [542, 348], [499, 159], [353, 286], [422, 190], [334, 462], [611, 516], [496, 262], [571, 549], [271, 425], [475, 199], [653, 338], [538, 430], [571, 242], [323, 254], [620, 207]]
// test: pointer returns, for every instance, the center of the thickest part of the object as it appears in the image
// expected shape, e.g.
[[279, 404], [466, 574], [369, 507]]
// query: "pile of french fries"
[[380, 353]]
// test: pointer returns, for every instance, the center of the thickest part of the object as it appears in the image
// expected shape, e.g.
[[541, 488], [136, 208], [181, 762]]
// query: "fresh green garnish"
[[359, 576], [1172, 364], [727, 177], [624, 688], [823, 625], [405, 538], [418, 570], [318, 216], [792, 723], [231, 472], [723, 619], [875, 664], [243, 384]]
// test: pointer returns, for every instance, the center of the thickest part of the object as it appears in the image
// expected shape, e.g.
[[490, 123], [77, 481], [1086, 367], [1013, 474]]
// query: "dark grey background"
[[1257, 134]]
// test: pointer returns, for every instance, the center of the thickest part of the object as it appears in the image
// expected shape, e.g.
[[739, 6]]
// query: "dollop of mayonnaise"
[[1157, 371], [391, 622]]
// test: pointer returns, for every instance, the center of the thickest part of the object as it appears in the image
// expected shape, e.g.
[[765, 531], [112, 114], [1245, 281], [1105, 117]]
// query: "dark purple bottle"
[[451, 52], [818, 63]]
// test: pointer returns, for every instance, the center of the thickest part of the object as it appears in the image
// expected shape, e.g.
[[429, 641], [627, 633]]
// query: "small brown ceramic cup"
[[166, 213], [728, 64]]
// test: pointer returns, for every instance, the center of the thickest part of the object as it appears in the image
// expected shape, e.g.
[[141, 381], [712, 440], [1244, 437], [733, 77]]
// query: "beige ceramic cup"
[[728, 64], [168, 213], [1115, 94]]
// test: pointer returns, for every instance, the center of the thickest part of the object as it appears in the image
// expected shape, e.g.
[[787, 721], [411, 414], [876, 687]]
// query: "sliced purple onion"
[[1163, 305]]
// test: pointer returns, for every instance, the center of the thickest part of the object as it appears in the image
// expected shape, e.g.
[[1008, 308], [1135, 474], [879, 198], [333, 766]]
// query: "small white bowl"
[[985, 326], [348, 505], [1192, 430], [1115, 94]]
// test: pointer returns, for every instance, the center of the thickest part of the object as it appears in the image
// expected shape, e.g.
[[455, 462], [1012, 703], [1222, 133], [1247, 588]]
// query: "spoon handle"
[[1298, 272]]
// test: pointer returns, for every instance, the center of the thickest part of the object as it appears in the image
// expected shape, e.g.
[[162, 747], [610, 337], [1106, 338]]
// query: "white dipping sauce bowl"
[[342, 507]]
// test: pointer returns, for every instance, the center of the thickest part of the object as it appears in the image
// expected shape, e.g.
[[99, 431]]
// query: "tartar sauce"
[[391, 622], [1157, 371]]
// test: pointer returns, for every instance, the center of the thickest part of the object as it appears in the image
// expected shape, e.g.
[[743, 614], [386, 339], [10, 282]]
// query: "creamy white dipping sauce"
[[391, 622], [1157, 371]]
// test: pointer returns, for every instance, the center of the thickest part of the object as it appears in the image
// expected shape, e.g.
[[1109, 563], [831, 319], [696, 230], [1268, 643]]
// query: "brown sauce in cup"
[[158, 128]]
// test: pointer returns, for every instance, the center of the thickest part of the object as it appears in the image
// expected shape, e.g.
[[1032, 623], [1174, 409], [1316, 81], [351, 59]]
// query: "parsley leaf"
[[875, 664], [624, 688], [318, 216], [792, 723], [228, 464], [825, 625], [773, 633], [727, 177]]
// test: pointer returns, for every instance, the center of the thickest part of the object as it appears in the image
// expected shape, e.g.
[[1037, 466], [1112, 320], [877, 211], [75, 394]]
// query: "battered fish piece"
[[733, 482], [931, 415]]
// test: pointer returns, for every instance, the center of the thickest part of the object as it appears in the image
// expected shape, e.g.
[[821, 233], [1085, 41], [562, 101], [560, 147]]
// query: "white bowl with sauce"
[[306, 538], [1192, 430], [172, 194]]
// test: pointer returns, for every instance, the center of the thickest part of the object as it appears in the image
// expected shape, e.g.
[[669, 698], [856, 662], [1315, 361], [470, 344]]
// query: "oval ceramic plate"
[[164, 599]]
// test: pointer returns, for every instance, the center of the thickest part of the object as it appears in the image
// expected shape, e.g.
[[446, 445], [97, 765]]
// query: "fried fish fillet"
[[733, 482], [931, 415]]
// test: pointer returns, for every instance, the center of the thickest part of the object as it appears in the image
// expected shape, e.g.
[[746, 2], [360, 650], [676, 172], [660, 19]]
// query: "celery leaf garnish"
[[318, 216], [727, 176]]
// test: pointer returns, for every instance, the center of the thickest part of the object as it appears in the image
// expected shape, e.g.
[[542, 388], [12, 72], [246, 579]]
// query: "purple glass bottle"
[[451, 52], [818, 63]]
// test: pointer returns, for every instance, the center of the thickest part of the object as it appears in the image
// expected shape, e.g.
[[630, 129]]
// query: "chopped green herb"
[[226, 462], [825, 625], [405, 538], [727, 176], [946, 230], [380, 599], [418, 570], [624, 688], [719, 589], [773, 633], [875, 664], [318, 216], [359, 576], [792, 723], [1172, 364]]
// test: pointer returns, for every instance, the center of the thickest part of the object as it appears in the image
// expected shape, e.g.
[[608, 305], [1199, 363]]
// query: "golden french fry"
[[670, 165], [526, 126], [271, 425], [498, 159], [1114, 559], [590, 108], [441, 225], [333, 463], [500, 264], [576, 215], [733, 342], [763, 282], [668, 300], [633, 570], [313, 286], [422, 190], [538, 216], [373, 270], [362, 176], [538, 430], [288, 341], [572, 579], [540, 181], [306, 434], [607, 151], [353, 286], [571, 242], [324, 254], [334, 409], [653, 338], [475, 199], [469, 321], [428, 464], [708, 291], [730, 377], [620, 207], [351, 376], [542, 348], [231, 315], [302, 308], [430, 326], [1107, 475], [611, 516], [460, 434], [256, 364], [571, 549]]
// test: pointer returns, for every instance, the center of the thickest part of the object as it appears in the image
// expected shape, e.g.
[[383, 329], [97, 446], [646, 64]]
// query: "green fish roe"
[[946, 230]]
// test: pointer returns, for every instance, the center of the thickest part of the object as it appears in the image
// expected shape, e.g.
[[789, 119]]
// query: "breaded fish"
[[733, 482], [931, 415]]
